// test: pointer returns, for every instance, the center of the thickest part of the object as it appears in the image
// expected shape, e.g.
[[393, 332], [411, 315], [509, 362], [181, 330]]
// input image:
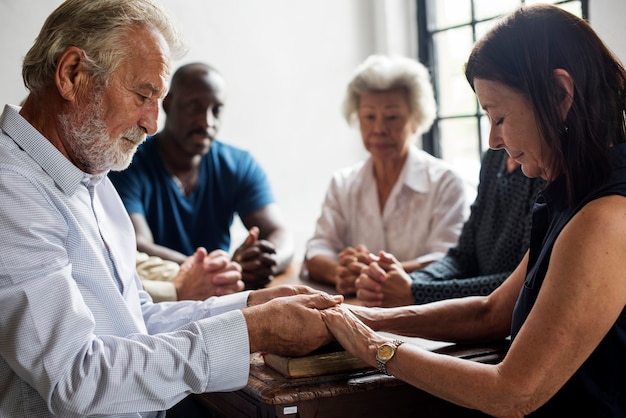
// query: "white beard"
[[85, 134]]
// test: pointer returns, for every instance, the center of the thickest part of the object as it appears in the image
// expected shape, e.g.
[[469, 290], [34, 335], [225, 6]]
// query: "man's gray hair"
[[99, 28], [383, 73]]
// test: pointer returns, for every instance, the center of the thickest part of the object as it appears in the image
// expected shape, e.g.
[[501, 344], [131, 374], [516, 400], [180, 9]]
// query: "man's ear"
[[69, 77], [564, 79], [166, 103]]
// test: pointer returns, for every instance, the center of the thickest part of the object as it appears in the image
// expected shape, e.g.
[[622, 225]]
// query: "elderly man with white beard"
[[78, 334]]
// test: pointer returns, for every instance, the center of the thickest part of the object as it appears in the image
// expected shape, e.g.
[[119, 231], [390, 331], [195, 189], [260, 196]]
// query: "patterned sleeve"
[[493, 239]]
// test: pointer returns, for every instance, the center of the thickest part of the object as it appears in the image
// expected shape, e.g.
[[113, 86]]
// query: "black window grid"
[[432, 140]]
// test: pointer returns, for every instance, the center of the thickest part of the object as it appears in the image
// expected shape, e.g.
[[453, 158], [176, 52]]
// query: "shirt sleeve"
[[328, 238], [59, 315], [426, 288], [255, 191], [488, 249]]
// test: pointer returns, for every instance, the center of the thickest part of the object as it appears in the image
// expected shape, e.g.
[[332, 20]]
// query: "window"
[[447, 30]]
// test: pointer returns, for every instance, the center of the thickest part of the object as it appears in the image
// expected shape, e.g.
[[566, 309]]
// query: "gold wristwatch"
[[385, 353]]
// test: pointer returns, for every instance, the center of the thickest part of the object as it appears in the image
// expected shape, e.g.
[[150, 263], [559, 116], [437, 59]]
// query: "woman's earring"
[[563, 130]]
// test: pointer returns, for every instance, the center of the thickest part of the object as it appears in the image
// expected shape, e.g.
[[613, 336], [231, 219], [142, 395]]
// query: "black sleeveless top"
[[598, 388]]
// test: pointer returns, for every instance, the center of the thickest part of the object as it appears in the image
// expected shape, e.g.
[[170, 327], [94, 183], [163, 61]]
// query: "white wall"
[[287, 64], [608, 17]]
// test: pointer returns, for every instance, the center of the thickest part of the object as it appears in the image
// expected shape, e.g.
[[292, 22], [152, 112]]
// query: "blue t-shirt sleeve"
[[256, 192]]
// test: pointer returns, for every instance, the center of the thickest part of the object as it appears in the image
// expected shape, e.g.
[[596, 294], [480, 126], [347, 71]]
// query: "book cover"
[[328, 359]]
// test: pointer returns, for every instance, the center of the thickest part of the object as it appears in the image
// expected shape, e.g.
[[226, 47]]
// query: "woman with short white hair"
[[400, 199]]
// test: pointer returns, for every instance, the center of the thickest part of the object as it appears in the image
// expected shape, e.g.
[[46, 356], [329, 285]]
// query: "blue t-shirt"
[[230, 182], [598, 388]]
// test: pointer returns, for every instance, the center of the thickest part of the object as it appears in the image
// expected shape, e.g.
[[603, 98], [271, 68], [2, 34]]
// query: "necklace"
[[186, 184]]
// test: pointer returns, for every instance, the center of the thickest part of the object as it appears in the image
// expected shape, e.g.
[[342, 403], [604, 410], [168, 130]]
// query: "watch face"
[[385, 352]]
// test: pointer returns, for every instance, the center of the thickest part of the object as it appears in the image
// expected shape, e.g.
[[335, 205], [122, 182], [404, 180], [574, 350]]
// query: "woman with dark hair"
[[555, 96]]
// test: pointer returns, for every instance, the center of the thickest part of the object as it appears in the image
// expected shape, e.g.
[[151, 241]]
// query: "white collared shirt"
[[78, 335], [421, 220]]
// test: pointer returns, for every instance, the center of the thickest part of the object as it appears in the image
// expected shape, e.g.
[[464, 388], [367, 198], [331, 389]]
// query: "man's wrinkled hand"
[[290, 325]]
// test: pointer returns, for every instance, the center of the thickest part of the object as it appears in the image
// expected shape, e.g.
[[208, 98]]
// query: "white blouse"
[[422, 218]]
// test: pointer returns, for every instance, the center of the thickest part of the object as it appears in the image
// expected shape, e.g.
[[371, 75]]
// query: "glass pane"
[[484, 131], [464, 139], [451, 48], [564, 5], [574, 7], [447, 13], [484, 27], [460, 139], [459, 147], [487, 9]]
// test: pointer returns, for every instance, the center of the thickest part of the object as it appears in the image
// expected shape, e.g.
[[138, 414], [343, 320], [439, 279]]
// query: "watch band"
[[382, 364]]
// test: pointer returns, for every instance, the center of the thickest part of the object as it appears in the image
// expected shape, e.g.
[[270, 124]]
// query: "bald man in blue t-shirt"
[[184, 186]]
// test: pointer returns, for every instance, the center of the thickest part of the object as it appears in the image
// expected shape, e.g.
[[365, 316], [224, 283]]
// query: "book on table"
[[328, 359], [332, 358]]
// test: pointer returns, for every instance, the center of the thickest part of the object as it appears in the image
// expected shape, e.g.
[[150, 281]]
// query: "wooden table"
[[362, 394], [358, 394]]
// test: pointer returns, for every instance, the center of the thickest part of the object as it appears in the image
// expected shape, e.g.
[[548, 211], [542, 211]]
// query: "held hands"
[[257, 259], [203, 275], [351, 262], [289, 322], [353, 335], [384, 282]]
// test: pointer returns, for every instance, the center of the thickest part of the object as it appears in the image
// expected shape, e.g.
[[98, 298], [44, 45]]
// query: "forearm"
[[464, 382], [165, 253], [456, 320], [413, 265], [467, 319], [322, 269], [284, 249]]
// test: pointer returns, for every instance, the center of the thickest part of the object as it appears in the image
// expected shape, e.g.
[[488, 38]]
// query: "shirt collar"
[[413, 173], [65, 174]]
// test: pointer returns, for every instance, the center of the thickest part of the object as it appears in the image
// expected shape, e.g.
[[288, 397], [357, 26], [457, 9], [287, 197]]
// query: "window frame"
[[431, 140]]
